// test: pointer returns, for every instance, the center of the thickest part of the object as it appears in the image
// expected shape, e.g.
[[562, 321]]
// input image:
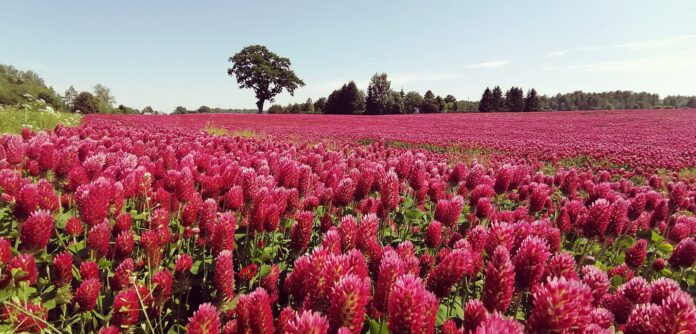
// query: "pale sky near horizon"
[[169, 53]]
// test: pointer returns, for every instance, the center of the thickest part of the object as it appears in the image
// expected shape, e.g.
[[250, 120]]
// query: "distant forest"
[[18, 87]]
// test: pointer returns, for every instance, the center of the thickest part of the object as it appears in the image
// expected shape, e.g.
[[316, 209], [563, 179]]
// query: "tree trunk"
[[259, 104]]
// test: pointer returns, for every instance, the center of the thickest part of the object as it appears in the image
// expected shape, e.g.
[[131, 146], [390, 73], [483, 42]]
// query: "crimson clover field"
[[561, 222]]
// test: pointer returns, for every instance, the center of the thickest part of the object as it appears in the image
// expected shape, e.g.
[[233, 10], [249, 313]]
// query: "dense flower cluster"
[[112, 227]]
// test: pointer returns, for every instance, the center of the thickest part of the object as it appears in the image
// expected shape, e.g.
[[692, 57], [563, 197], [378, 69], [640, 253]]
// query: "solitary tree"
[[263, 71], [179, 110], [204, 110]]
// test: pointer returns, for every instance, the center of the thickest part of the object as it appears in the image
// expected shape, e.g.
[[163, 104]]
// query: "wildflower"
[[224, 274], [560, 305], [204, 321], [499, 283], [411, 309], [36, 230], [86, 295]]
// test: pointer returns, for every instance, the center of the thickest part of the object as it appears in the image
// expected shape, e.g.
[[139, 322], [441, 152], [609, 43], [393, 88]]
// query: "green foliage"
[[204, 110], [346, 100], [179, 111], [35, 116], [85, 103], [319, 105], [412, 102], [15, 85], [497, 101], [514, 99], [263, 71], [486, 104], [379, 95], [532, 101]]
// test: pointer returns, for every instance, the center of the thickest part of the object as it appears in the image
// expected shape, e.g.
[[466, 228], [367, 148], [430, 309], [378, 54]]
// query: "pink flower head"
[[223, 233], [348, 300], [205, 320], [644, 319], [678, 313], [5, 251], [224, 274], [389, 190], [598, 218], [496, 323], [98, 238], [412, 309], [499, 284], [391, 267], [301, 231], [598, 282], [62, 269], [123, 247], [86, 295], [27, 264], [126, 308], [433, 235], [183, 263], [453, 267], [635, 256], [269, 282], [248, 272], [36, 231], [448, 211], [73, 226], [661, 288], [474, 314], [89, 269], [562, 265], [530, 261], [162, 280], [308, 322], [561, 305], [684, 255], [122, 274], [254, 313]]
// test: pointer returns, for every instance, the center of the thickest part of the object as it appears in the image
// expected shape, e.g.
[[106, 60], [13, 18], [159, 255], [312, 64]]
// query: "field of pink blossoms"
[[568, 223]]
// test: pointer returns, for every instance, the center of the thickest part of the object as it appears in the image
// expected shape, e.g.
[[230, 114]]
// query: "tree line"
[[380, 99], [513, 100]]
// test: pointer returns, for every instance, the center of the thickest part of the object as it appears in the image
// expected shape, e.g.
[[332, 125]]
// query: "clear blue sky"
[[169, 53]]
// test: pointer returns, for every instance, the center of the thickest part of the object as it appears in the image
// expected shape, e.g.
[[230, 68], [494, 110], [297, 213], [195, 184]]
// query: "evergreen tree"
[[319, 105], [514, 100], [532, 101], [497, 101], [486, 103], [379, 95]]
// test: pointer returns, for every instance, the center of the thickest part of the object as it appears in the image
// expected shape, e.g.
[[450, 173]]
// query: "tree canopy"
[[265, 72]]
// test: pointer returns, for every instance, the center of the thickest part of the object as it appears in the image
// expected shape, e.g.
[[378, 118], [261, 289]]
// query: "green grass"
[[13, 119], [211, 129]]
